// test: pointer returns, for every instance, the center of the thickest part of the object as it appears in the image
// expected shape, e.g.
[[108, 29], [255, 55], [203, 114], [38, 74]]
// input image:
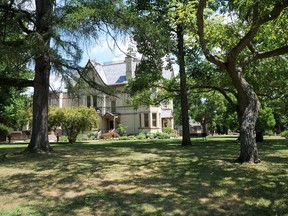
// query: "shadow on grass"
[[149, 178]]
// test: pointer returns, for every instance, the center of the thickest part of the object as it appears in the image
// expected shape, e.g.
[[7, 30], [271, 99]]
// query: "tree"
[[266, 120], [48, 36], [243, 41], [73, 120], [209, 109], [162, 36], [17, 113]]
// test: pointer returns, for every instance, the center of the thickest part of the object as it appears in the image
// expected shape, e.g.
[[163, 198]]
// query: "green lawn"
[[156, 177]]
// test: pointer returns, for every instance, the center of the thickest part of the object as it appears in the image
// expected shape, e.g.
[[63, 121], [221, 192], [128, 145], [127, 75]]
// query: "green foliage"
[[265, 119], [73, 120], [92, 134], [169, 130], [284, 134], [269, 133], [132, 137], [4, 130], [161, 135], [63, 138], [122, 129], [150, 136], [81, 137], [141, 136], [55, 117], [15, 110], [123, 138]]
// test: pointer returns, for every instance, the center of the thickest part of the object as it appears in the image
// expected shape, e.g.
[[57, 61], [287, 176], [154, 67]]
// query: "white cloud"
[[107, 49]]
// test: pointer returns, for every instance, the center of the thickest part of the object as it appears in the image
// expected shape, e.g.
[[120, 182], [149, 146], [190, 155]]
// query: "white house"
[[114, 110]]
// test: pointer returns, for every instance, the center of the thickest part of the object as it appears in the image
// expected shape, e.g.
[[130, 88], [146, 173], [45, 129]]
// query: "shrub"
[[92, 135], [123, 138], [168, 129], [132, 137], [73, 120], [63, 138], [160, 135], [122, 129], [141, 136], [284, 134], [269, 133], [109, 135], [150, 136], [81, 137]]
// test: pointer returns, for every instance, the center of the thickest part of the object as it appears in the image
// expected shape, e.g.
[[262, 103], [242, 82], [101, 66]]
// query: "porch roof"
[[166, 113]]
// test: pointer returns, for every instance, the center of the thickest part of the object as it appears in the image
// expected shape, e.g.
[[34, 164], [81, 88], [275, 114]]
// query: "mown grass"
[[156, 177]]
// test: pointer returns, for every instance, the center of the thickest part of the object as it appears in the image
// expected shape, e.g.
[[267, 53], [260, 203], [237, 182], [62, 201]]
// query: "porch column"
[[104, 104]]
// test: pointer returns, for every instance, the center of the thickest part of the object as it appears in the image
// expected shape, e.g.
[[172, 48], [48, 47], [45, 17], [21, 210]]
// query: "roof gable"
[[114, 73]]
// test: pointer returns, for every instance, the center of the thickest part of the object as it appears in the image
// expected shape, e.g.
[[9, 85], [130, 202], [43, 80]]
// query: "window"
[[140, 120], [164, 104], [113, 106], [154, 119], [95, 101], [146, 120], [88, 101]]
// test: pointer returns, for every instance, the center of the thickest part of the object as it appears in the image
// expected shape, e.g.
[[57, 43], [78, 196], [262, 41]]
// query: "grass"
[[156, 177]]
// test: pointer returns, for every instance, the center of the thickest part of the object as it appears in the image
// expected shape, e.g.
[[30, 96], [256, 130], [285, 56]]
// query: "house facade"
[[114, 110]]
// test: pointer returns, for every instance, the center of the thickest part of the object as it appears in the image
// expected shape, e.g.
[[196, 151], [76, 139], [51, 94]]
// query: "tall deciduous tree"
[[254, 33], [160, 32]]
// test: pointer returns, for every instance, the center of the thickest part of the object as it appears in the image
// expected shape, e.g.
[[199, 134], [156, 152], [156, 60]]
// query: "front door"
[[111, 124]]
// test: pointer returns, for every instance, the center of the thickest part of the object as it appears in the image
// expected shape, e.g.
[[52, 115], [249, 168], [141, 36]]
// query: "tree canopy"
[[48, 35]]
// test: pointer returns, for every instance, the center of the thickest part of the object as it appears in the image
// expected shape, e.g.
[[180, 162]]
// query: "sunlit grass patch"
[[156, 177]]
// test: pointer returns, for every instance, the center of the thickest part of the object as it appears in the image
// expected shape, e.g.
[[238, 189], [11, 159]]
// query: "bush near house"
[[141, 136], [109, 135], [122, 129], [73, 120], [161, 135]]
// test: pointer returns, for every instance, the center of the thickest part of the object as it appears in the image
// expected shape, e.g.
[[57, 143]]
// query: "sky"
[[104, 50]]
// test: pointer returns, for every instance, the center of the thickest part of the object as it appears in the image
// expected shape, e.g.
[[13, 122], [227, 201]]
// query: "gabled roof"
[[113, 73], [99, 69]]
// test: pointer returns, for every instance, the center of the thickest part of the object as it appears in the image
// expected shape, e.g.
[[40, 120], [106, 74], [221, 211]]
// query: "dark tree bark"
[[248, 103], [183, 88], [39, 139], [248, 110]]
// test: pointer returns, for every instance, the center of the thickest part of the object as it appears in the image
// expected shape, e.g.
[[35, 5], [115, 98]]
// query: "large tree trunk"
[[248, 113], [183, 86], [39, 140]]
